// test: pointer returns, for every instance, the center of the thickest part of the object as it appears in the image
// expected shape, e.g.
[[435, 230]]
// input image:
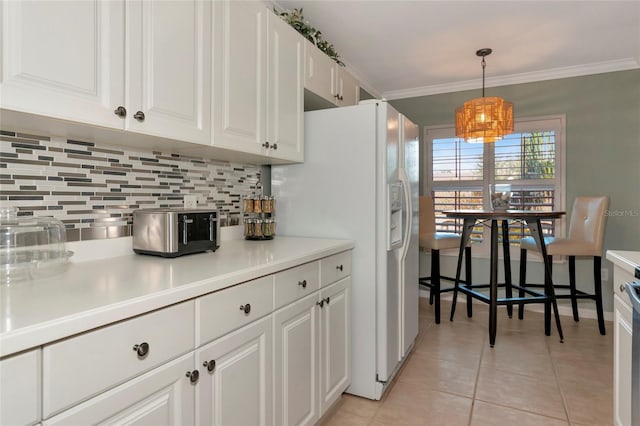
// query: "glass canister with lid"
[[30, 247]]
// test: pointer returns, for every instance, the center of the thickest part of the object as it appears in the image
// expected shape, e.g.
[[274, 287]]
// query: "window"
[[531, 160]]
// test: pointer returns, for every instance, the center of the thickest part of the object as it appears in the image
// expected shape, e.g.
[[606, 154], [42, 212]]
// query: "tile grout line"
[[475, 387], [555, 376]]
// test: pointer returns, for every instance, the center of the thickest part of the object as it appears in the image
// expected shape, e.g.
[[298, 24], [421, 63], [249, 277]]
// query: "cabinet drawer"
[[220, 312], [20, 389], [295, 283], [334, 268], [80, 367]]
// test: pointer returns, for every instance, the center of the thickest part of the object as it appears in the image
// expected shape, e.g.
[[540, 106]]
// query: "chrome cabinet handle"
[[266, 145], [120, 112], [622, 288], [211, 365], [142, 349], [340, 268], [246, 308], [303, 283], [193, 376], [139, 116]]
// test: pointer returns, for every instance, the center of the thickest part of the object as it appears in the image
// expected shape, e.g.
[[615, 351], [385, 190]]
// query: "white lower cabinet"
[[622, 346], [312, 354], [335, 338], [224, 358], [297, 359], [164, 396], [235, 386], [20, 383]]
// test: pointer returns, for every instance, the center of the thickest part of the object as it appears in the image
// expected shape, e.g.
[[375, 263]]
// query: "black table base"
[[547, 297]]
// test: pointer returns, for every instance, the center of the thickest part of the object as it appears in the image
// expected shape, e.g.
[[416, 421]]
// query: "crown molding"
[[527, 77], [364, 84]]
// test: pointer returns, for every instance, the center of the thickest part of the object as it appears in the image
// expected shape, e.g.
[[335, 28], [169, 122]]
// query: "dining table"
[[532, 219]]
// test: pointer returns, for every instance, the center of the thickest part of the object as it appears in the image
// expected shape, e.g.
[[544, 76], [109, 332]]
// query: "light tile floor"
[[453, 377]]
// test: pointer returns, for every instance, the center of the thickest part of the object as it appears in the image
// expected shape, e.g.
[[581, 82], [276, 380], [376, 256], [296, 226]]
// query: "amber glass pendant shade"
[[485, 119]]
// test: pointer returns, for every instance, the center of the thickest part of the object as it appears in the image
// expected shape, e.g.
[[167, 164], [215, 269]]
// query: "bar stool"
[[586, 237], [433, 241]]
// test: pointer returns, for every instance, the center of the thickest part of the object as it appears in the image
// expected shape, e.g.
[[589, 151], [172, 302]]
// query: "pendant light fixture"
[[484, 119]]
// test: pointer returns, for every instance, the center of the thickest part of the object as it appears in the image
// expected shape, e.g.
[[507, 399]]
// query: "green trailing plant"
[[296, 20]]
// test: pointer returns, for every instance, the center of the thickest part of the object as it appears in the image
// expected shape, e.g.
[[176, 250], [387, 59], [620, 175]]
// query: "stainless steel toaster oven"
[[171, 232]]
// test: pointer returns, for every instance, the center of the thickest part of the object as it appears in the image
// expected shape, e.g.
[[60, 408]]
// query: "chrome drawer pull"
[[142, 349], [193, 376], [211, 365]]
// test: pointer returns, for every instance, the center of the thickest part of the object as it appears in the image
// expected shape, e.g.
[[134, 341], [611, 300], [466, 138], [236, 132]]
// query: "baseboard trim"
[[563, 310]]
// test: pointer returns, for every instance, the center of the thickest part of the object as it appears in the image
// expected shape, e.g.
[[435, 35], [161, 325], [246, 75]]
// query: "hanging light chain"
[[484, 64]]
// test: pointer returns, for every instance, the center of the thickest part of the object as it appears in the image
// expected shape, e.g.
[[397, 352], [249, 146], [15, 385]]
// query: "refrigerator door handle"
[[408, 211]]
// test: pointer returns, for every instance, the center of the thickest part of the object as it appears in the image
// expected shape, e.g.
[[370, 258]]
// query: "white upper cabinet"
[[324, 77], [63, 59], [319, 72], [137, 65], [239, 75], [285, 109], [257, 82], [168, 74], [347, 88]]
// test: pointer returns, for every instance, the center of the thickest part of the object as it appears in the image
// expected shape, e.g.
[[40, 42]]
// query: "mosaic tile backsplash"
[[94, 188]]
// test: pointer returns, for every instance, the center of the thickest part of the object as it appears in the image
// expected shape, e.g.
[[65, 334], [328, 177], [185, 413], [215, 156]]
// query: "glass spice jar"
[[267, 204], [257, 204], [257, 229], [269, 227], [248, 228], [247, 204]]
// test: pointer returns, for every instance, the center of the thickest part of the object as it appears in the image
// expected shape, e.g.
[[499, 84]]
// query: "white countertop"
[[94, 293], [627, 260]]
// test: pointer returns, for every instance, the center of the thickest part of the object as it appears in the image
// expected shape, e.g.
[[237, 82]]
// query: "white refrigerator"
[[359, 181]]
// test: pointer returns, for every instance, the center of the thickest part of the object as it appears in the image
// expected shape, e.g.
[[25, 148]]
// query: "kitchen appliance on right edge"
[[359, 181]]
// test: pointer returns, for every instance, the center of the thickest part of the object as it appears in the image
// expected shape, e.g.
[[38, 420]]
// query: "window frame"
[[556, 123]]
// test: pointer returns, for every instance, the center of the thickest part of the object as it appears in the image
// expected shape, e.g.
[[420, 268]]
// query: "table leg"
[[536, 232], [493, 284], [507, 264], [467, 227]]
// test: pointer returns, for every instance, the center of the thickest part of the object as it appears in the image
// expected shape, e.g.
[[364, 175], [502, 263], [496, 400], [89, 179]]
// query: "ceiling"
[[400, 49]]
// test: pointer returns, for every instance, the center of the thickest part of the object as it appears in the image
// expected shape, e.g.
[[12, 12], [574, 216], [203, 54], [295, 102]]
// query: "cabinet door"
[[319, 73], [164, 396], [238, 388], [622, 341], [296, 340], [168, 50], [348, 88], [335, 338], [285, 112], [239, 75], [64, 59], [20, 383]]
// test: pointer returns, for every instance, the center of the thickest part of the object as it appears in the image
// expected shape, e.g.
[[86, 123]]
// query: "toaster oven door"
[[197, 232]]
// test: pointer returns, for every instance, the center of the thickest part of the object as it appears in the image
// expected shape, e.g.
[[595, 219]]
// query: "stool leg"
[[435, 281], [523, 279], [467, 275], [572, 287], [597, 262], [547, 305], [507, 265]]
